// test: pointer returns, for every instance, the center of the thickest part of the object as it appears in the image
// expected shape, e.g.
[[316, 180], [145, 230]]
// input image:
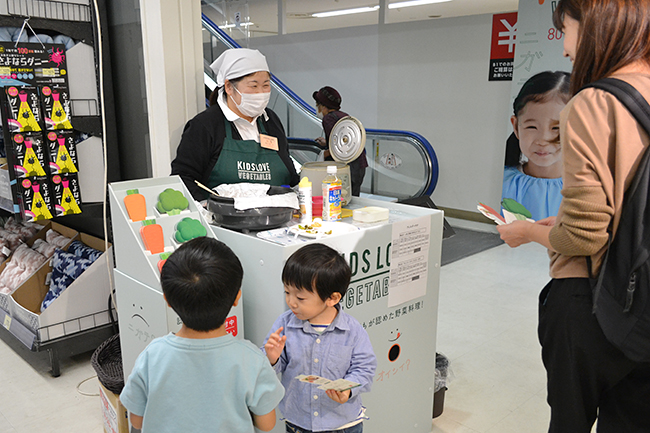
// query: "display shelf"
[[134, 259], [47, 9], [72, 343], [144, 314], [79, 322]]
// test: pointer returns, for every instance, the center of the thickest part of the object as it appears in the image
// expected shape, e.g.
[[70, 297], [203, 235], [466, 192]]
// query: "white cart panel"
[[403, 336]]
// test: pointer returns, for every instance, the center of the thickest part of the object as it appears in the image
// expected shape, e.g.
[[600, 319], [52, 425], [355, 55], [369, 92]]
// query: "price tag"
[[268, 142], [7, 322]]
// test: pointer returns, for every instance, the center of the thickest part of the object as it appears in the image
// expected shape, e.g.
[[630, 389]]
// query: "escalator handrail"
[[369, 131], [427, 148], [283, 87]]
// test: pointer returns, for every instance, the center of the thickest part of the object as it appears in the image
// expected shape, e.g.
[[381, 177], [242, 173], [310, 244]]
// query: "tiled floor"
[[32, 401], [487, 328]]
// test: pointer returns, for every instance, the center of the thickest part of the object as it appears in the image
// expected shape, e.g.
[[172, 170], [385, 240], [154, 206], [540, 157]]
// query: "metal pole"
[[282, 17], [383, 11]]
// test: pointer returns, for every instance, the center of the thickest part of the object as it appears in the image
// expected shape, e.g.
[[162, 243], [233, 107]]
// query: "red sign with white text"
[[502, 50], [231, 325]]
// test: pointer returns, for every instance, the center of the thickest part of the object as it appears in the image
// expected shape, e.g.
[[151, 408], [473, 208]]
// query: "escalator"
[[401, 164]]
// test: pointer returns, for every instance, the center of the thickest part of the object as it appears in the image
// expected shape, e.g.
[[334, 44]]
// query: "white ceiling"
[[264, 13]]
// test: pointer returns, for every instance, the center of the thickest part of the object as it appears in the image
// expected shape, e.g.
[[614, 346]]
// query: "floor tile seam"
[[485, 430], [471, 430]]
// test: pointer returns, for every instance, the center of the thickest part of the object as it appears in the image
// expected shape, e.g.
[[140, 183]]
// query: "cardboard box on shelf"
[[60, 229], [81, 306], [5, 303], [115, 416], [30, 297]]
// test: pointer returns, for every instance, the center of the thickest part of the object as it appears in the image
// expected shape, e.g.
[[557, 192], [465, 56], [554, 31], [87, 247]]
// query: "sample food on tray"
[[314, 227]]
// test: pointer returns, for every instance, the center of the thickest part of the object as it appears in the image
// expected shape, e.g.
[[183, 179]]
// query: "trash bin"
[[440, 384], [107, 362]]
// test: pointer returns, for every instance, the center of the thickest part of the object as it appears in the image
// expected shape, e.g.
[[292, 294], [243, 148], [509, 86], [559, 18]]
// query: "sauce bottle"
[[331, 195], [304, 199]]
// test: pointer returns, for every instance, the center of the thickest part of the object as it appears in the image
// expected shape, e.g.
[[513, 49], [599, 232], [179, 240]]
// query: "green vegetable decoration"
[[516, 208], [189, 228], [171, 202], [163, 259]]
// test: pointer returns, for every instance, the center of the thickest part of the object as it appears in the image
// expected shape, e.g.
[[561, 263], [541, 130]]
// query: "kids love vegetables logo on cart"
[[370, 275]]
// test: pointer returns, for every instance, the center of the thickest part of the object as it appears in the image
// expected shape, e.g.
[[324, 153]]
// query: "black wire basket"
[[107, 362]]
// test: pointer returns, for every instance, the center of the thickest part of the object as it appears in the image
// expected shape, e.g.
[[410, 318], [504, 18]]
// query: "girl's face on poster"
[[538, 129]]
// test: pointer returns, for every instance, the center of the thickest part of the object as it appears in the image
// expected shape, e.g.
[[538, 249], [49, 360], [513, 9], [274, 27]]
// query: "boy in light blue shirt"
[[202, 379], [316, 337]]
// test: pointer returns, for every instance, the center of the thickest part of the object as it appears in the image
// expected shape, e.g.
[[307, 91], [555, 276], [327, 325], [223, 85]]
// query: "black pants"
[[587, 376], [357, 173]]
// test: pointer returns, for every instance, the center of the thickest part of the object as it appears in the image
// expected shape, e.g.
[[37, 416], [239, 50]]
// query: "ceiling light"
[[406, 4], [230, 26], [344, 12]]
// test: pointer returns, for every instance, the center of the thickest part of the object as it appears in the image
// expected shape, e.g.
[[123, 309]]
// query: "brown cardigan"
[[601, 146]]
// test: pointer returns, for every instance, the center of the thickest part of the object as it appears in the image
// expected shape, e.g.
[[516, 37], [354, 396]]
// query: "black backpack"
[[622, 288]]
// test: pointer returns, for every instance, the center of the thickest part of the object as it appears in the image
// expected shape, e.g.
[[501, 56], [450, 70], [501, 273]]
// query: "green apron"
[[247, 161]]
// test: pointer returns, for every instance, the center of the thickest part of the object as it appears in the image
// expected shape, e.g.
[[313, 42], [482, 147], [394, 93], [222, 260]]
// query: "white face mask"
[[320, 114], [252, 104]]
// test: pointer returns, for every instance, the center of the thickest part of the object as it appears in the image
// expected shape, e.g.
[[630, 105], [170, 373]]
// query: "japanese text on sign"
[[408, 272], [399, 312]]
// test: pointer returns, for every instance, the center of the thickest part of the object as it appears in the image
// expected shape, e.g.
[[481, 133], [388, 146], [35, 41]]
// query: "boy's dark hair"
[[200, 281], [317, 268]]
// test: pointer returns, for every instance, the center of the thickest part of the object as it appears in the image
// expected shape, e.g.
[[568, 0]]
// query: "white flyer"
[[408, 264]]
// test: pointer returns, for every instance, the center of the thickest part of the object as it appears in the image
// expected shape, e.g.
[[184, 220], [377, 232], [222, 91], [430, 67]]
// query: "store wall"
[[428, 76], [345, 59]]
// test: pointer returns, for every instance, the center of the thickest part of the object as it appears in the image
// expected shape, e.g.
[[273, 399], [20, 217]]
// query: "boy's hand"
[[339, 396], [275, 345]]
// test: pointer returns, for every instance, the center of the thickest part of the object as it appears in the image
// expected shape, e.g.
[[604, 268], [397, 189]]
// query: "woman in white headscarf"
[[237, 139]]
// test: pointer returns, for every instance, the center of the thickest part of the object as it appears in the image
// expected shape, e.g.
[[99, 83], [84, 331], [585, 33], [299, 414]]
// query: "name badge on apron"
[[269, 142]]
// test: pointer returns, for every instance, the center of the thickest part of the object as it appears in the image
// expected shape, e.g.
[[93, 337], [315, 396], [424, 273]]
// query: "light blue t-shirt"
[[540, 196], [188, 385], [342, 351]]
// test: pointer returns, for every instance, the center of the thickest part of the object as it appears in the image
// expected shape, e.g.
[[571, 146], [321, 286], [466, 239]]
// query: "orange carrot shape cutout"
[[135, 205]]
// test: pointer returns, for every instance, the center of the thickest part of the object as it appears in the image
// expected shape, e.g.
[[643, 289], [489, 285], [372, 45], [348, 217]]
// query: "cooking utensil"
[[261, 218], [200, 185], [347, 140]]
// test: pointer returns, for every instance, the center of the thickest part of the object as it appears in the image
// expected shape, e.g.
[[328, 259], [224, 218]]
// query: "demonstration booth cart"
[[393, 294], [143, 313]]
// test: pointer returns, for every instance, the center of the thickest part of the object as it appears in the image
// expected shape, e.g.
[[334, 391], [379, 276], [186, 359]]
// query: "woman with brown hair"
[[602, 145]]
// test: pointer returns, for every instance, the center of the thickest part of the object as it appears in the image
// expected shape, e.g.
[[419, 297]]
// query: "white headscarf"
[[238, 62]]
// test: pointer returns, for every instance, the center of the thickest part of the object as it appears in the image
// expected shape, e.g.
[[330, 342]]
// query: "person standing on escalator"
[[328, 108]]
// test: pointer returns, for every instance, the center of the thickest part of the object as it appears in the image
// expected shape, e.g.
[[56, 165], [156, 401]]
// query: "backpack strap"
[[628, 96], [640, 109]]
